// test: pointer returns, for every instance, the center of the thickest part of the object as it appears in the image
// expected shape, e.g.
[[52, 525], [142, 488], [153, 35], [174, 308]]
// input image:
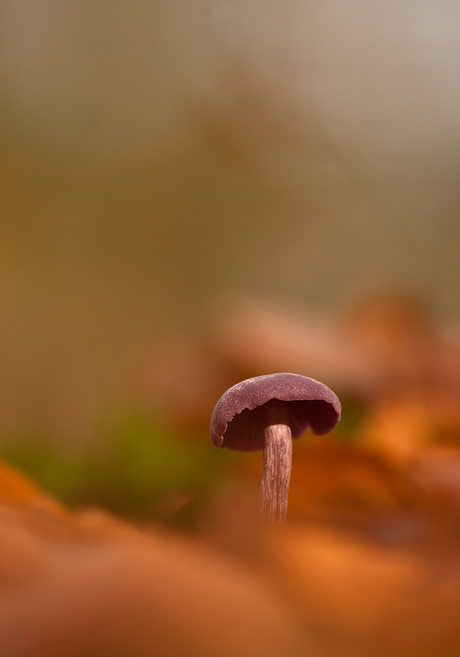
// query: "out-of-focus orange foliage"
[[384, 348], [379, 600], [398, 333], [88, 584], [402, 428], [16, 488], [368, 564], [371, 551], [342, 483]]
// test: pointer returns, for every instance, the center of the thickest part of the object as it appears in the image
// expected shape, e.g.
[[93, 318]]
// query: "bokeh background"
[[157, 156], [193, 193]]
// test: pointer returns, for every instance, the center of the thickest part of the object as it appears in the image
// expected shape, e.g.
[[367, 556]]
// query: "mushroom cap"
[[238, 420]]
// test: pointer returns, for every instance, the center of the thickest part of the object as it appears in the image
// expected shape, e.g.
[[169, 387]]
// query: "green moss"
[[129, 472]]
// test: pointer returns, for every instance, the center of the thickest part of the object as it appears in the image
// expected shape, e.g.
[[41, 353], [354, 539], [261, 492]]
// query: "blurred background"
[[157, 156], [193, 193]]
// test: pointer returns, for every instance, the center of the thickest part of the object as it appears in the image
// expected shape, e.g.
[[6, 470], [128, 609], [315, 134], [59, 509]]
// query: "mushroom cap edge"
[[238, 424]]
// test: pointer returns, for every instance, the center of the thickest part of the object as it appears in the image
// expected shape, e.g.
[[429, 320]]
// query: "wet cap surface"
[[238, 420]]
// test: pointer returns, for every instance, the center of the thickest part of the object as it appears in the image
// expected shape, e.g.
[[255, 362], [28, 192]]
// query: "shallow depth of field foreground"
[[191, 195]]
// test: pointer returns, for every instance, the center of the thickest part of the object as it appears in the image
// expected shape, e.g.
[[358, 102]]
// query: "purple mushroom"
[[266, 412]]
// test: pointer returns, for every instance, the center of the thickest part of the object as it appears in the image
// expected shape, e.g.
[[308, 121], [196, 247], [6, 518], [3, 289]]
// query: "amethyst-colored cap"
[[238, 420]]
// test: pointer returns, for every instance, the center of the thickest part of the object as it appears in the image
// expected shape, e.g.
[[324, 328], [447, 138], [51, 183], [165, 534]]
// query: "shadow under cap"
[[238, 420]]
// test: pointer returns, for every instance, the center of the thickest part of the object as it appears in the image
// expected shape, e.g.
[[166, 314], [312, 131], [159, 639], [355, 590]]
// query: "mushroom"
[[266, 412]]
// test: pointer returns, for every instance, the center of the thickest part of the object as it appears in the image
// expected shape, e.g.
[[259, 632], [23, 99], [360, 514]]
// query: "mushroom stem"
[[273, 499]]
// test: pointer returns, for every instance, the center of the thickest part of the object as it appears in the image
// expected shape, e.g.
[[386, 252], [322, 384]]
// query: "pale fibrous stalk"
[[273, 499]]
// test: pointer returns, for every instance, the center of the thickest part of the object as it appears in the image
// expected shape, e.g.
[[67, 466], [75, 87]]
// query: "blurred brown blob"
[[18, 489], [93, 585], [256, 337], [180, 382], [385, 339], [385, 345], [437, 471], [403, 428], [407, 347], [378, 600], [370, 553], [346, 487], [183, 377], [342, 484]]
